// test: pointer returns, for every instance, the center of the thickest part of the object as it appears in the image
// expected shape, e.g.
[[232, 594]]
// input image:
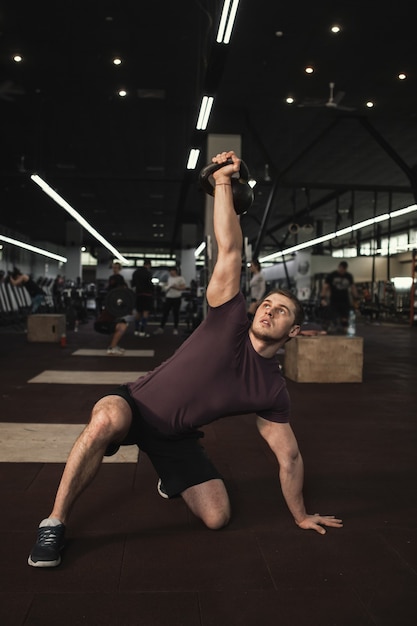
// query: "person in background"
[[340, 294], [173, 292], [116, 279], [107, 323], [257, 286], [143, 287], [37, 294]]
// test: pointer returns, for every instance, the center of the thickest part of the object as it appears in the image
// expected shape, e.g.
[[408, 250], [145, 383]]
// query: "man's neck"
[[265, 349]]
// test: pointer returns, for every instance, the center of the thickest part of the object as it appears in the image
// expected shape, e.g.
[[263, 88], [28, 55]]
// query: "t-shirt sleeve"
[[281, 413]]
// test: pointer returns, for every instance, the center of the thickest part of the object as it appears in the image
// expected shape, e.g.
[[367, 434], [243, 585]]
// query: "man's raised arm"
[[225, 281]]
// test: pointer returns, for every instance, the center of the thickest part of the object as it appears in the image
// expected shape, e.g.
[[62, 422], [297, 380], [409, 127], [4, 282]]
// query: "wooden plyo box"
[[46, 327], [324, 359]]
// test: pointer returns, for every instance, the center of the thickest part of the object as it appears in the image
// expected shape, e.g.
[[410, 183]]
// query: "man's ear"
[[294, 331]]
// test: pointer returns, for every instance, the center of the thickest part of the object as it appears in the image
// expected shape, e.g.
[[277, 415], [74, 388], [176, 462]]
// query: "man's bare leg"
[[110, 422], [118, 334], [209, 501]]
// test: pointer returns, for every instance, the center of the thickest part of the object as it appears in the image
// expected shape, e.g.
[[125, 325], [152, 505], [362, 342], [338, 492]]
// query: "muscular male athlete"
[[226, 367]]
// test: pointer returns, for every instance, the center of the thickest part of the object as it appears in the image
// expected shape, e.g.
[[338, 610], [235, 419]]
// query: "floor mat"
[[85, 378], [48, 443]]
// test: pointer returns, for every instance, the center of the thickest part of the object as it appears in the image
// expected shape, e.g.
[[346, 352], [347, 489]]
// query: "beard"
[[265, 337]]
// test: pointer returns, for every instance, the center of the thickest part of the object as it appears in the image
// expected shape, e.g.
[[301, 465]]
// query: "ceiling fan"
[[332, 102]]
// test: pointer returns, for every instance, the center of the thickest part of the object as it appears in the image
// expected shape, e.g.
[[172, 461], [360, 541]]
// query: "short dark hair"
[[343, 264], [299, 311]]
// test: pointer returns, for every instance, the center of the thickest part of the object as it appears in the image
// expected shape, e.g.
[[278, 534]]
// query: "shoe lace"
[[49, 535]]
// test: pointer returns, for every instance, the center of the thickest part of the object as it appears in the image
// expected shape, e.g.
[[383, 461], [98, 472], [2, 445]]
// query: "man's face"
[[274, 319]]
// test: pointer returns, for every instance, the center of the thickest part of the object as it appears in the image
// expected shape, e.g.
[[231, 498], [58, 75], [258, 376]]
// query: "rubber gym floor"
[[135, 559]]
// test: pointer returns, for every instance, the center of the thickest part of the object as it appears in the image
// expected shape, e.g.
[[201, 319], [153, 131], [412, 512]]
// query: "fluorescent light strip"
[[27, 246], [62, 203], [339, 233], [407, 209], [193, 158], [200, 249], [205, 109], [226, 21]]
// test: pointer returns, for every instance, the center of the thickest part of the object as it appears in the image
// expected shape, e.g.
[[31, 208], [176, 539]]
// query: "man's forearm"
[[292, 479], [226, 223]]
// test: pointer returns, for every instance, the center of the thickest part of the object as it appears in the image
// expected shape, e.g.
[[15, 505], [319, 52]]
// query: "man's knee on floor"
[[216, 519], [209, 501]]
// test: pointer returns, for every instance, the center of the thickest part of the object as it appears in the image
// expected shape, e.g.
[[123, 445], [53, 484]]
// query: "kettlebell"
[[242, 192]]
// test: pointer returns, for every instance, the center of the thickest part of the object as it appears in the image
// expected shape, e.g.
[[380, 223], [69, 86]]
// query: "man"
[[143, 286], [37, 294], [107, 323], [225, 367], [173, 293], [339, 292], [116, 279]]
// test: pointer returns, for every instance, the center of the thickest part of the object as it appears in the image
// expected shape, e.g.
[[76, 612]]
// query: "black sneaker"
[[161, 489], [50, 541]]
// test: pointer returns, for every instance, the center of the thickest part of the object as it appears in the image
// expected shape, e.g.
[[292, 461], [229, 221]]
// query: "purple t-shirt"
[[215, 373]]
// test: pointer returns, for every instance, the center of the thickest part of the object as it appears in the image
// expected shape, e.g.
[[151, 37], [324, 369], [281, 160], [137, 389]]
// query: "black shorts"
[[179, 460], [107, 327], [144, 302]]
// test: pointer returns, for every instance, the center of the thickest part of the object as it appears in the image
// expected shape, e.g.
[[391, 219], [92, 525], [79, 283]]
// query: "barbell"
[[243, 195], [120, 301]]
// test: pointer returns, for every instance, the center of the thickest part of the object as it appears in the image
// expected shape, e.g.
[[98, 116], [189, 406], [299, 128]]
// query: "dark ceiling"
[[121, 162]]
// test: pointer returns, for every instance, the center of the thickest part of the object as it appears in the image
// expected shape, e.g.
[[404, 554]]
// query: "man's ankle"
[[55, 520]]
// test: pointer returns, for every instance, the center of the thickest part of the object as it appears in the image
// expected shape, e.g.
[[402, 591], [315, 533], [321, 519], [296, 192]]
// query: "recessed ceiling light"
[[289, 100], [402, 76], [122, 93], [335, 28], [117, 61], [309, 69], [17, 58], [369, 104]]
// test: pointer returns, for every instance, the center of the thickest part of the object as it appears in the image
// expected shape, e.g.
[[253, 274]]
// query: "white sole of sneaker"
[[44, 563]]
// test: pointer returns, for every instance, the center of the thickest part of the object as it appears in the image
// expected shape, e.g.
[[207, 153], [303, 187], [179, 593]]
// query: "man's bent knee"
[[111, 419], [216, 520], [209, 501]]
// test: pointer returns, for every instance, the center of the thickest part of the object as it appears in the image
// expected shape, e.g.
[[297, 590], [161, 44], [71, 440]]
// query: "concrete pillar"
[[104, 264], [73, 242], [188, 265], [189, 242]]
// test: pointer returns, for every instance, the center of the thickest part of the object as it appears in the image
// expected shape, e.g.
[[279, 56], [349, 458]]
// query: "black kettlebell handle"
[[206, 175]]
